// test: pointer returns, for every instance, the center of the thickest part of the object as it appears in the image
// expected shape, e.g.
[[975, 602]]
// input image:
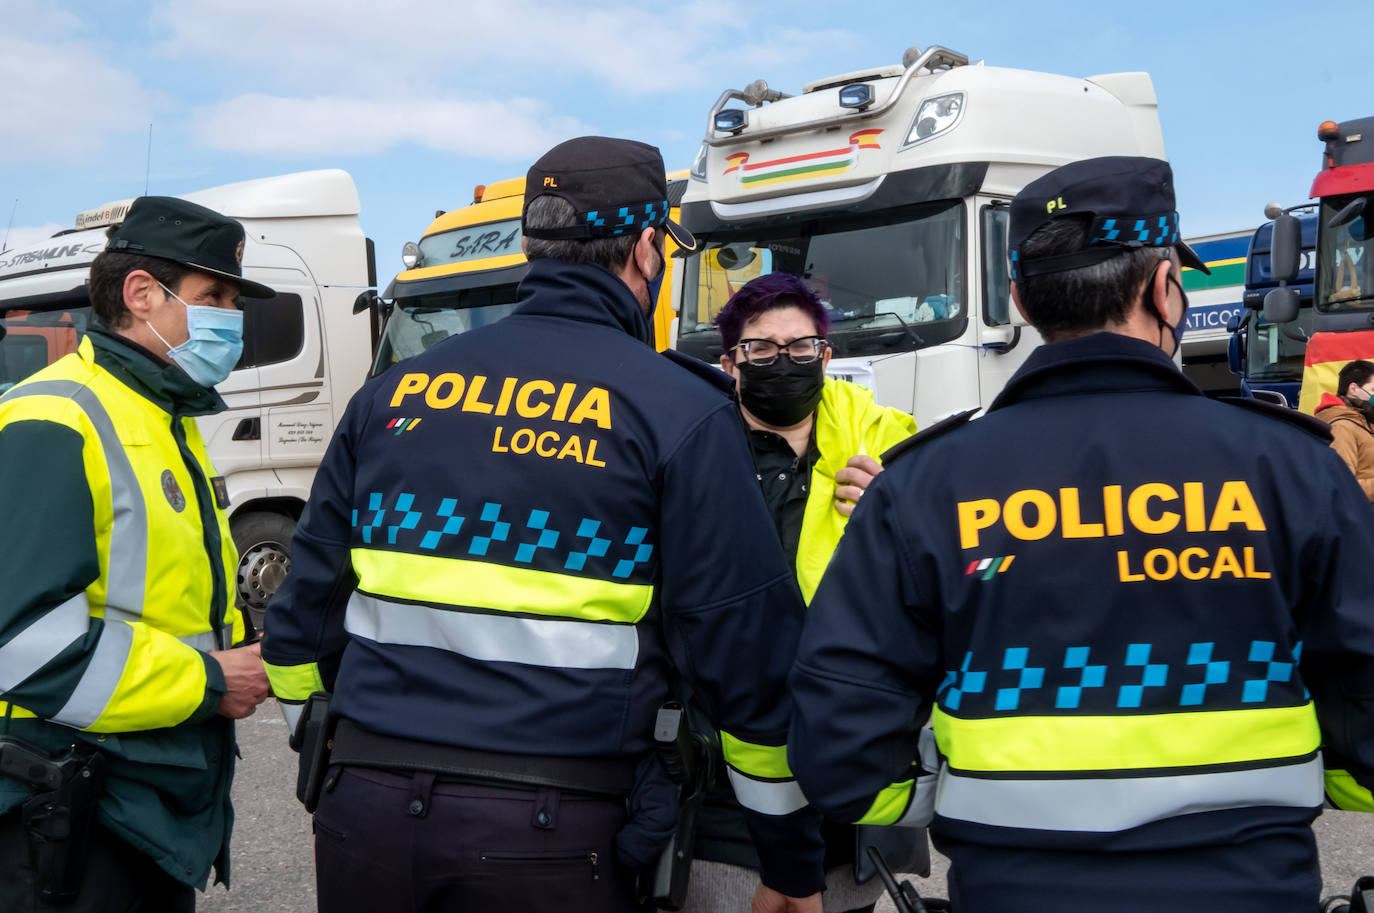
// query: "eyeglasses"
[[765, 351]]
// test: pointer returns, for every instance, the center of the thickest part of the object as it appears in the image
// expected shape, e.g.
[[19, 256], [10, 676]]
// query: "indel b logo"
[[1052, 205], [551, 182]]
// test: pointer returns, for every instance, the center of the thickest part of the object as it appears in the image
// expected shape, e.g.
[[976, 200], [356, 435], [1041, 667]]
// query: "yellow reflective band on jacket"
[[848, 423], [890, 805], [1107, 743], [1346, 794], [146, 670], [768, 762], [497, 587], [760, 777], [294, 683]]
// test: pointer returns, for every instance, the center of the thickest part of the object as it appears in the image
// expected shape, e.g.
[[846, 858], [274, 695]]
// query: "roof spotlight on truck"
[[731, 120], [858, 96]]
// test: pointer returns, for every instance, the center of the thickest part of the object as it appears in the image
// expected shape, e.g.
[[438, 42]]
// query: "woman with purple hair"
[[816, 443]]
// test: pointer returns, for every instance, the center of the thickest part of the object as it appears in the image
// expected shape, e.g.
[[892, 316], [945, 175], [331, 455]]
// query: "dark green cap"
[[189, 234]]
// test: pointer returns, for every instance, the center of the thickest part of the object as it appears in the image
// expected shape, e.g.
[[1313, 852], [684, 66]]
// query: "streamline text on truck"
[[887, 189], [464, 271], [1214, 302], [304, 355]]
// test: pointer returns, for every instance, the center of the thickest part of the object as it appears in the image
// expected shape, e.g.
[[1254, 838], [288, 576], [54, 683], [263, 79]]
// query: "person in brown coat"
[[1349, 415]]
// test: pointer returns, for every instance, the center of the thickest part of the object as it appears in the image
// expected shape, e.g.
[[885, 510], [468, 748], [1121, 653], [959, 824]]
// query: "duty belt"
[[357, 747]]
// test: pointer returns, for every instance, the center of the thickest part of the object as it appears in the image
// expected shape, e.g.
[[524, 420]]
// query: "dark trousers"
[[118, 879], [1272, 873], [408, 843]]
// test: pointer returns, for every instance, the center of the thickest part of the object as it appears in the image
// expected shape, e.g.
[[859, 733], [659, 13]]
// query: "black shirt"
[[786, 481]]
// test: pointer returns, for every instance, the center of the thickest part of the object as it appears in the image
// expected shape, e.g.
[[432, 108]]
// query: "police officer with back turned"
[[1140, 619], [118, 684], [513, 540]]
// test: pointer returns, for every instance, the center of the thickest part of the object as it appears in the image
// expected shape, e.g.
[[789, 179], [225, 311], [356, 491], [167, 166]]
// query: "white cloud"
[[64, 101], [42, 19], [22, 236], [413, 46], [270, 125]]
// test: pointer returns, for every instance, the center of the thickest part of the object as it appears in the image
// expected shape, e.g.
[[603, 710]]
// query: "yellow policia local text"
[[1154, 508], [530, 399]]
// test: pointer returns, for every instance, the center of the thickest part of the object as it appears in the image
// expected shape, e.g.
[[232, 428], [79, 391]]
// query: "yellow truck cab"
[[464, 271]]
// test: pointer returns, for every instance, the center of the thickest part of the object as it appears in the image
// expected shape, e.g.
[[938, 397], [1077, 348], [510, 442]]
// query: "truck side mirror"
[[364, 301], [1234, 356], [1281, 304], [1285, 252], [1348, 213]]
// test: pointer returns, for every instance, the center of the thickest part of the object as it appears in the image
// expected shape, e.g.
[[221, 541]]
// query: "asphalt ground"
[[272, 871]]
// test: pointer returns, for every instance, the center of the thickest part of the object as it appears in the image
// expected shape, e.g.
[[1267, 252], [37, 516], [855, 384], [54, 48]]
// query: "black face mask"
[[783, 393], [1364, 406]]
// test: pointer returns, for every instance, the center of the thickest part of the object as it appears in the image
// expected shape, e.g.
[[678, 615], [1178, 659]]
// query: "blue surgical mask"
[[656, 283], [1179, 328], [213, 346]]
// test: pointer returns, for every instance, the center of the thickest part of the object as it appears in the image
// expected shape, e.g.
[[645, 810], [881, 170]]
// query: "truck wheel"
[[264, 544]]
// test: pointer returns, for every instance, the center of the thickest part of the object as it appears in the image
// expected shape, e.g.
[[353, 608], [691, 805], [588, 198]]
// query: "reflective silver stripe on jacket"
[[1103, 805], [205, 641], [557, 643], [128, 561], [767, 797], [38, 644], [97, 685], [292, 714]]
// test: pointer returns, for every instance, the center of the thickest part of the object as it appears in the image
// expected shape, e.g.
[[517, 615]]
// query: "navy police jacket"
[[516, 535], [1135, 617]]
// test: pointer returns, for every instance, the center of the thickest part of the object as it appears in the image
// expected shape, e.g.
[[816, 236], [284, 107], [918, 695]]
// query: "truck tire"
[[264, 543]]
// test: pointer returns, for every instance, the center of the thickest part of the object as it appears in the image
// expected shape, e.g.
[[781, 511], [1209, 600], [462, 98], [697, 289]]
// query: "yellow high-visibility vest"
[[156, 584]]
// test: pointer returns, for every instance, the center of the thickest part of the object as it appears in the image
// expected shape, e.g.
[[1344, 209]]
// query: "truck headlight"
[[699, 164], [410, 254], [935, 116]]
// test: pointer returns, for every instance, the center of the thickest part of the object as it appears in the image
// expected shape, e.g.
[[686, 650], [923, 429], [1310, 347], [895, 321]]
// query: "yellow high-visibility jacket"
[[116, 593], [848, 423]]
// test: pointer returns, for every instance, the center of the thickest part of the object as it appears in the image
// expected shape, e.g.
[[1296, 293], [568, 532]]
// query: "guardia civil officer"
[[1137, 616], [512, 539], [118, 682]]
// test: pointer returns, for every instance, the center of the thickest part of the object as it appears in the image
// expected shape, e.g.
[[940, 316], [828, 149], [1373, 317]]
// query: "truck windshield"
[[419, 322], [1271, 354], [35, 339], [1345, 279], [892, 283]]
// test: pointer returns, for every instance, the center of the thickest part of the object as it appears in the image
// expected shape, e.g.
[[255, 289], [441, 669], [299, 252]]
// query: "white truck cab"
[[306, 351], [887, 191]]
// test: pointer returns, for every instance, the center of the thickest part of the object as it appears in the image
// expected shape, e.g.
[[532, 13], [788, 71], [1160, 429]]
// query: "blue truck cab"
[[1267, 356]]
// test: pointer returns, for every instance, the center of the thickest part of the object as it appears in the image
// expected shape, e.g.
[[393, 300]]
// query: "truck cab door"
[[234, 437], [296, 403]]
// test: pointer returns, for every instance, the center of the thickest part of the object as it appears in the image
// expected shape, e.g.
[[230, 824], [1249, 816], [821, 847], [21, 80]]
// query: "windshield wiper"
[[876, 314]]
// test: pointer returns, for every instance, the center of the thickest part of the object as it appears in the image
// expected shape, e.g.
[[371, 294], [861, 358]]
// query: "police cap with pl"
[[615, 185], [1127, 200], [174, 229]]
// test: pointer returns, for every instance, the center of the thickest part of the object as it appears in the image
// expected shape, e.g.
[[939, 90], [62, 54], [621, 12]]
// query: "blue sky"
[[421, 100]]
